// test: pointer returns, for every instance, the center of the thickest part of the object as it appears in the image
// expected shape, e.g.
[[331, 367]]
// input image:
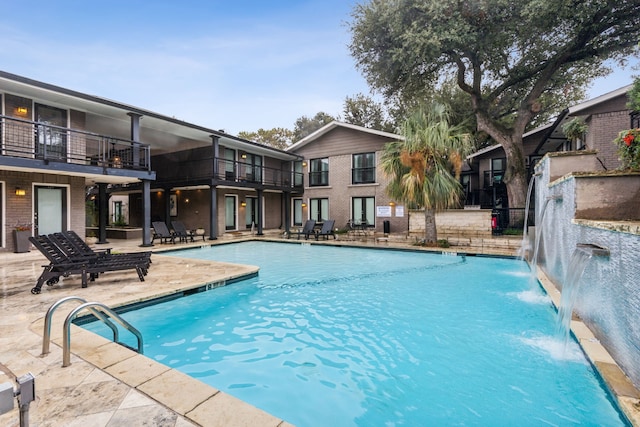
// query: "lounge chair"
[[306, 230], [181, 232], [326, 230], [60, 264], [161, 231], [76, 248]]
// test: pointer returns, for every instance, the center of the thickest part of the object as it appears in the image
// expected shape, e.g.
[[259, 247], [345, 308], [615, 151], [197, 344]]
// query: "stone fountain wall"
[[601, 209]]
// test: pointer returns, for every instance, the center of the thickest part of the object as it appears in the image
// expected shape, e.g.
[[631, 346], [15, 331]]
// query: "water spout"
[[577, 265], [524, 246], [543, 211]]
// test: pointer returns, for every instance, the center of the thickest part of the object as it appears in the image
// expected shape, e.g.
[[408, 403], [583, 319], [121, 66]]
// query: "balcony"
[[198, 167], [24, 141]]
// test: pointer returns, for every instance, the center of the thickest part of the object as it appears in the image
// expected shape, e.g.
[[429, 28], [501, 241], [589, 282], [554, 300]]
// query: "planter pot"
[[21, 241], [91, 240]]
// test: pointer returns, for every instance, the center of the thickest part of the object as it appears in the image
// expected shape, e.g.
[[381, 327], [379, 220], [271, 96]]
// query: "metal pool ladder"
[[99, 310]]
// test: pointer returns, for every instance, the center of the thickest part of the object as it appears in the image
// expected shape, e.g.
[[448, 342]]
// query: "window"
[[363, 209], [364, 168], [297, 212], [298, 180], [252, 167], [319, 172], [50, 135], [497, 169], [319, 209]]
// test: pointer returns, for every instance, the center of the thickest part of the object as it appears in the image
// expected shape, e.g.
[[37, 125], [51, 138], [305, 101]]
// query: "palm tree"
[[419, 167]]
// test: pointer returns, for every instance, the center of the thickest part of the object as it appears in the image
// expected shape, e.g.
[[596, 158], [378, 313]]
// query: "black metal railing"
[[363, 175], [203, 169], [513, 218], [34, 140], [492, 178], [317, 179], [241, 172]]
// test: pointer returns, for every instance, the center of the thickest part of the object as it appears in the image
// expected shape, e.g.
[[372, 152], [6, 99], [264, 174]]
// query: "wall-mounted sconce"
[[243, 155], [392, 204], [243, 204], [22, 111], [304, 164], [21, 192], [304, 205], [186, 200]]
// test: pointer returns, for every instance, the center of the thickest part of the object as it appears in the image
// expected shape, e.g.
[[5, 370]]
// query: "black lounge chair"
[[306, 230], [181, 232], [76, 248], [161, 231], [326, 230], [60, 264]]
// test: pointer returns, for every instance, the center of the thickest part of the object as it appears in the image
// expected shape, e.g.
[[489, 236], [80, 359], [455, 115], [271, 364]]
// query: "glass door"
[[50, 209], [230, 203], [251, 212], [51, 134]]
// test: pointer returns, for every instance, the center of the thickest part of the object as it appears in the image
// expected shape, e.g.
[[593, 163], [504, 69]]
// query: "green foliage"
[[279, 138], [306, 126], [634, 96], [420, 166], [519, 62], [628, 142], [363, 111], [574, 129], [512, 232], [443, 243]]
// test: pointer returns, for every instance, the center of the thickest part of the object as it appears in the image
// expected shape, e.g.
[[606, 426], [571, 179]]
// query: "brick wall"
[[22, 207], [603, 129]]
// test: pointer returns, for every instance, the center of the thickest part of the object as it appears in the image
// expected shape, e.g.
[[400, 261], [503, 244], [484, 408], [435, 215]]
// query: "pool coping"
[[211, 407], [619, 386]]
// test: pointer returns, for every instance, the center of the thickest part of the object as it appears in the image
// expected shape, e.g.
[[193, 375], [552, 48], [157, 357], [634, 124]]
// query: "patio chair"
[[161, 231], [76, 248], [181, 232], [326, 230], [306, 230], [60, 264]]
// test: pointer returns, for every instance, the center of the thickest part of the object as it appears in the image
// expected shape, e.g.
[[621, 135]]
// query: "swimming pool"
[[343, 336]]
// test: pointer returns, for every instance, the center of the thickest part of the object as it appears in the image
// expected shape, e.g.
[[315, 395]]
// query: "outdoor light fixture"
[[304, 205], [22, 110], [304, 164], [243, 155], [243, 204], [21, 192], [392, 204]]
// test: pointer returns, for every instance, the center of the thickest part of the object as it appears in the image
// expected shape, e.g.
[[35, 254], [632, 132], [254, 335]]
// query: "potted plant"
[[628, 142], [21, 233]]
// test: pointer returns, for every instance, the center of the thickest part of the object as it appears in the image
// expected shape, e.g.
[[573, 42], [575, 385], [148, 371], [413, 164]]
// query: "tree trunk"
[[430, 232], [516, 174]]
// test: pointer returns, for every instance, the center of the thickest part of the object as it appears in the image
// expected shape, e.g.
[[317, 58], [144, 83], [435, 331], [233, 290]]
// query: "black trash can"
[[386, 225]]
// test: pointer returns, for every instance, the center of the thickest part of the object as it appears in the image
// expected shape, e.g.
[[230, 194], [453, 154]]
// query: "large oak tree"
[[516, 59]]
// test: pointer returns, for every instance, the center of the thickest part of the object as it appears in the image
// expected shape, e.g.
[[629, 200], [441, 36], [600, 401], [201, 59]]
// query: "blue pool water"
[[337, 336]]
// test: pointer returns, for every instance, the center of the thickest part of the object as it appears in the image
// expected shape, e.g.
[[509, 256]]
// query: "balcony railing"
[[34, 140], [320, 178], [363, 175], [492, 178], [201, 171], [246, 173]]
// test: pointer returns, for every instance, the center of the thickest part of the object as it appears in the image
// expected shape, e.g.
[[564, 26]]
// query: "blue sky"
[[235, 65]]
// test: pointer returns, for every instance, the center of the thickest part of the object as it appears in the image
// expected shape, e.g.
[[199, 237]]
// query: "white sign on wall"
[[383, 211], [399, 211]]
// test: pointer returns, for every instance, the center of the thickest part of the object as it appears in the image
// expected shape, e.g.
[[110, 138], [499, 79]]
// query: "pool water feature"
[[343, 336]]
